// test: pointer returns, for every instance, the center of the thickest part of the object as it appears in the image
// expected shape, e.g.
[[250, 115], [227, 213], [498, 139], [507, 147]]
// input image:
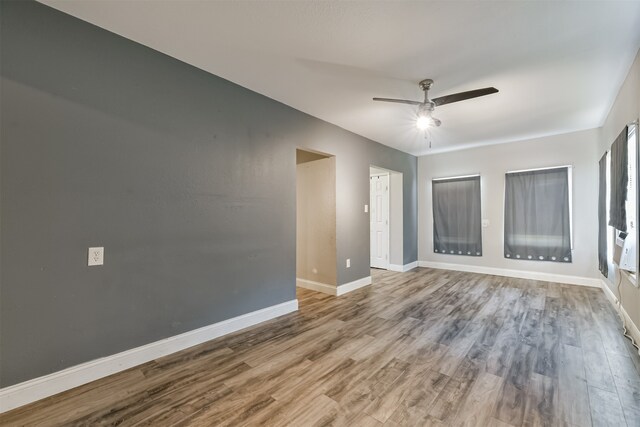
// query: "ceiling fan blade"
[[461, 96], [399, 101]]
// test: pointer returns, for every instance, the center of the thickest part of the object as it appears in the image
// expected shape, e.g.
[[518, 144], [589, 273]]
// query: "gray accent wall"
[[185, 178]]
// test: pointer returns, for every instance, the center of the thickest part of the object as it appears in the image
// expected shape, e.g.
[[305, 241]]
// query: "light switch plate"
[[366, 208], [96, 256], [348, 262]]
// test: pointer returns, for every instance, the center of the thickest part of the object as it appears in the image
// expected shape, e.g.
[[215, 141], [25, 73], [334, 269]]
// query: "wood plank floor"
[[423, 348]]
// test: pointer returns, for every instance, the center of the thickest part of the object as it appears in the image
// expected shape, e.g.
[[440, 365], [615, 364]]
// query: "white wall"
[[316, 221], [626, 108], [578, 149]]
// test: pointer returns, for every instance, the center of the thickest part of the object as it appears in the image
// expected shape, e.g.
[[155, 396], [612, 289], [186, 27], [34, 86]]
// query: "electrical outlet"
[[366, 208], [348, 262], [96, 256]]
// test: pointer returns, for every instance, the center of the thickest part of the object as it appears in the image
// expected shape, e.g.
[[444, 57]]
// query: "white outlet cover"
[[366, 208], [348, 262], [96, 256]]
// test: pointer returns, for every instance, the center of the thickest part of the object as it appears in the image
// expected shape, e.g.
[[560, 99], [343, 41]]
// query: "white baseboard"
[[632, 328], [29, 391], [333, 290], [520, 274], [403, 268], [352, 286], [317, 286]]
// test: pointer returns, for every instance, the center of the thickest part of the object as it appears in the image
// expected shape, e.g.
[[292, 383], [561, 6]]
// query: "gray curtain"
[[619, 182], [603, 265], [457, 223], [536, 216]]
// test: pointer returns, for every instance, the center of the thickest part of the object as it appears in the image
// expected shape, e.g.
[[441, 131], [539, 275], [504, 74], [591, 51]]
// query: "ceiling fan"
[[425, 108]]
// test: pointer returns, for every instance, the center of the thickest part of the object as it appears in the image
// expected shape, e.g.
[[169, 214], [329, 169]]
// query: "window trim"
[[455, 177], [433, 219], [540, 169], [632, 130], [570, 196], [610, 229]]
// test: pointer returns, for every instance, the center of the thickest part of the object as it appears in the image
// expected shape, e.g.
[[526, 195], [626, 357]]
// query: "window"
[[610, 230], [457, 223], [603, 218], [629, 258], [622, 201], [537, 215]]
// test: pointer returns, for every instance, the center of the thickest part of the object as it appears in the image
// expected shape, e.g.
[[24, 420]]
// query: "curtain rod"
[[541, 169], [455, 177]]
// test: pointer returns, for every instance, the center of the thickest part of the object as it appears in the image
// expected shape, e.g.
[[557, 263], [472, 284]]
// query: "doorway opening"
[[316, 221], [385, 219]]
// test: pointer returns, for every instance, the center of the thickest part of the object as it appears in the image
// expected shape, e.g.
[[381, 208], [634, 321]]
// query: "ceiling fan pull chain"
[[427, 136]]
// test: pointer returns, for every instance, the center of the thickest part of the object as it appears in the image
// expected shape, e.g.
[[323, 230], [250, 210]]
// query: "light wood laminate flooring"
[[423, 348]]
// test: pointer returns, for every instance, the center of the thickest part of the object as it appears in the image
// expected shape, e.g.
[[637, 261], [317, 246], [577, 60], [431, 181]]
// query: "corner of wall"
[[629, 327]]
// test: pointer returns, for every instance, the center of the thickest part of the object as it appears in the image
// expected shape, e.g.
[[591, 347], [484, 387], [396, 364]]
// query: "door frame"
[[387, 262], [396, 217]]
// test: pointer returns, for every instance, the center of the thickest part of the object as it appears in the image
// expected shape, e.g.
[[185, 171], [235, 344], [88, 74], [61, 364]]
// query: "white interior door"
[[379, 217]]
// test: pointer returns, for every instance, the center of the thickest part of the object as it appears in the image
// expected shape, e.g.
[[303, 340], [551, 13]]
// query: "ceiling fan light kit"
[[426, 120], [425, 117]]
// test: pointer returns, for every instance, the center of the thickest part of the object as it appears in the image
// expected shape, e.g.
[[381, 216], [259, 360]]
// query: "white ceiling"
[[558, 64]]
